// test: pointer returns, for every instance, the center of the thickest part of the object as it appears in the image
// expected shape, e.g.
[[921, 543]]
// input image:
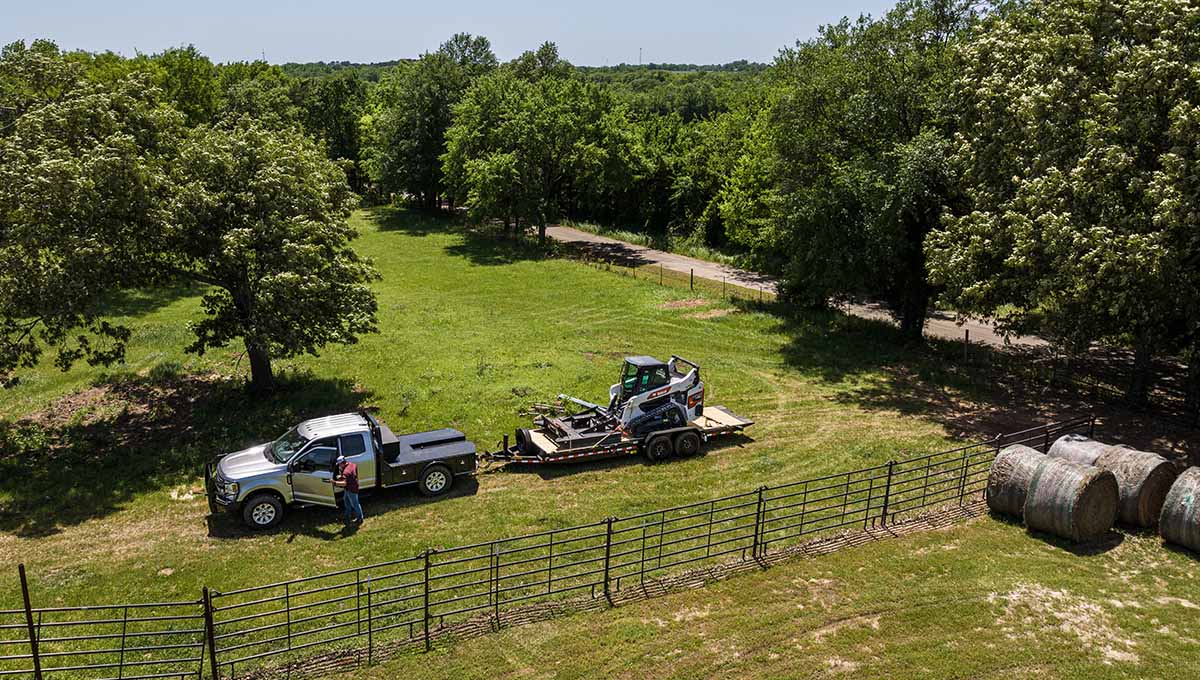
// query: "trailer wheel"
[[436, 480], [262, 511], [525, 443], [687, 444], [659, 448]]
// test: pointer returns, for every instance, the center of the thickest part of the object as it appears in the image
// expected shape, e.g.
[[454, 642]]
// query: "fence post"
[[210, 634], [425, 599], [692, 279], [370, 628], [962, 479], [722, 287], [607, 556], [33, 643], [887, 492], [758, 514]]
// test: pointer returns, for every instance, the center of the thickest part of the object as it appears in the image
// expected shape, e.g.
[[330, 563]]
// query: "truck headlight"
[[231, 489]]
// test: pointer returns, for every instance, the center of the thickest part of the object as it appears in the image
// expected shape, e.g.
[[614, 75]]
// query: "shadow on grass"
[[141, 302], [314, 521], [485, 245], [414, 222], [989, 393], [1105, 543], [97, 449]]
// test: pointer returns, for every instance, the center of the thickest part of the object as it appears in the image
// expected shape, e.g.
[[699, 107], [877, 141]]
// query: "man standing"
[[347, 479]]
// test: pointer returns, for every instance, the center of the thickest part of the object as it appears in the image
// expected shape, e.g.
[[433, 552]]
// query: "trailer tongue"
[[657, 409]]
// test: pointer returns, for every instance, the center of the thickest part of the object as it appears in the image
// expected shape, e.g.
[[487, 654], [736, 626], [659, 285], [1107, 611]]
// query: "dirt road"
[[940, 324]]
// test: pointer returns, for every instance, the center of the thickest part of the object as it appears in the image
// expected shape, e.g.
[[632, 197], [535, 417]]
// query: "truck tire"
[[658, 448], [262, 511], [435, 480], [687, 444]]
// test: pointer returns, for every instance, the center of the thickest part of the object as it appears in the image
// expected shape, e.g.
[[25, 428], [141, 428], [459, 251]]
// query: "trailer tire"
[[687, 444], [658, 448], [525, 443], [435, 480], [262, 511]]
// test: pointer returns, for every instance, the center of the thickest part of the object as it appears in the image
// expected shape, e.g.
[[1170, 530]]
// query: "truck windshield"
[[286, 446]]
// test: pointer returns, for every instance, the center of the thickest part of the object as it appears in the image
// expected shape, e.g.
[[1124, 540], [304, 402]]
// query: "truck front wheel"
[[436, 480], [262, 511]]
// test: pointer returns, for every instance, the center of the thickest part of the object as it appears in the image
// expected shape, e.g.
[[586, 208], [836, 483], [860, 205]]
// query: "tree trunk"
[[912, 317], [1143, 371], [541, 232], [262, 379]]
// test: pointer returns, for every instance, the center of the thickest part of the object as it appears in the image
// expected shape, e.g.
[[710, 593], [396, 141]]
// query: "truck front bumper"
[[216, 503]]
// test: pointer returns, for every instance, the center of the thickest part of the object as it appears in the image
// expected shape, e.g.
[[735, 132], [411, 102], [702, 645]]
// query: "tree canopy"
[[1080, 135]]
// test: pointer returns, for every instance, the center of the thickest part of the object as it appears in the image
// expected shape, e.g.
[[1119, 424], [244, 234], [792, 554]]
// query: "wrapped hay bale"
[[1077, 448], [1009, 477], [1180, 519], [1070, 500], [1143, 479]]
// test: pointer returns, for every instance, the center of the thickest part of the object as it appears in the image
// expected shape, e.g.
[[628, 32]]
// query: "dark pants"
[[351, 508]]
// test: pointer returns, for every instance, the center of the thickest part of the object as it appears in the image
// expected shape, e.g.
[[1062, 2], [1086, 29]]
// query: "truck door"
[[354, 448], [312, 474]]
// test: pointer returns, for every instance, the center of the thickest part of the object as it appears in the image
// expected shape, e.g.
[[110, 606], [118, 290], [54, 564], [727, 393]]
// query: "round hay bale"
[[1008, 479], [1143, 479], [1077, 448], [1070, 500], [1180, 519]]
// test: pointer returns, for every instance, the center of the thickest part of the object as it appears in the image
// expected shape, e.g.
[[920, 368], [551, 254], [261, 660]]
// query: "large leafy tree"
[[260, 215], [330, 108], [858, 171], [190, 81], [84, 195], [529, 149], [1080, 146], [409, 114]]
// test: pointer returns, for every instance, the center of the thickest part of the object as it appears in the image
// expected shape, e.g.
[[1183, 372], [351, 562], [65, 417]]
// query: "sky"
[[594, 33]]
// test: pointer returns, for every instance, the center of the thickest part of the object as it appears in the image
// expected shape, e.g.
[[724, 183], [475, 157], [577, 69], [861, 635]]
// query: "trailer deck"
[[714, 421]]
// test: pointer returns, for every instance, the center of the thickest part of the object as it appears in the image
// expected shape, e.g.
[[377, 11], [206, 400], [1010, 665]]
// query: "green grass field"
[[977, 600], [472, 331], [97, 495]]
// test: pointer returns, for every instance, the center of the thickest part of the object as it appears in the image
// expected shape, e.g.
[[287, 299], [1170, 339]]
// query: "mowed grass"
[[471, 331], [982, 599]]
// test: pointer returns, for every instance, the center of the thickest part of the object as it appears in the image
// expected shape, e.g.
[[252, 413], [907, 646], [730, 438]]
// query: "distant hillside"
[[318, 69], [372, 71]]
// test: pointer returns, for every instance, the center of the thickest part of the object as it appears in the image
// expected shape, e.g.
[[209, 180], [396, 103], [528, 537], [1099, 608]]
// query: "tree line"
[[1029, 161]]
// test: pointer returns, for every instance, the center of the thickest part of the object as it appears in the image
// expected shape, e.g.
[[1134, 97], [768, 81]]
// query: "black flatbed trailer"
[[554, 440]]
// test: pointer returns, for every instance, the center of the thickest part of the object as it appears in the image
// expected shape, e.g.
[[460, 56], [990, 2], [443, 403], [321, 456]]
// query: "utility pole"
[[639, 56]]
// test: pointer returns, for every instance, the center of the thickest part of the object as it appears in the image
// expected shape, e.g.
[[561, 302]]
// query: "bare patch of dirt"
[[1032, 611], [709, 314], [837, 664], [861, 621], [684, 304], [688, 614]]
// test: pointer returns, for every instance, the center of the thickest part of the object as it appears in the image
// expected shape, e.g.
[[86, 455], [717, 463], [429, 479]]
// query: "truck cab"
[[298, 468]]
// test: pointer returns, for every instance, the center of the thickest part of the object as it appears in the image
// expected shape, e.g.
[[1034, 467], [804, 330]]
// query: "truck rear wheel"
[[687, 444], [436, 480], [659, 448], [262, 511]]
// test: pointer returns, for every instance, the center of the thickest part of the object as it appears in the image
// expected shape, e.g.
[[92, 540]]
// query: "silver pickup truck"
[[298, 468]]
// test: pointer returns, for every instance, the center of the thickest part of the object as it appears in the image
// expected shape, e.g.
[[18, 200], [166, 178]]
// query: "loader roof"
[[644, 361]]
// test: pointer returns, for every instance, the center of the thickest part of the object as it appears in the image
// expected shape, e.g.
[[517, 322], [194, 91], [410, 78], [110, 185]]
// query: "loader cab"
[[642, 374]]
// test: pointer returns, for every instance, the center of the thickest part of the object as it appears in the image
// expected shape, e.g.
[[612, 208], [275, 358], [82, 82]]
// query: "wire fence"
[[368, 613]]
